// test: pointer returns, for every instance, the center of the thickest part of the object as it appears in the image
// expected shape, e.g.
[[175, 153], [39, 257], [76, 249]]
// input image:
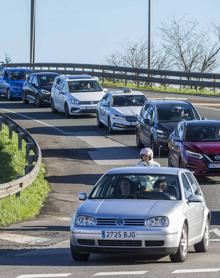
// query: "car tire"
[[138, 140], [66, 109], [9, 95], [154, 147], [38, 101], [99, 123], [53, 109], [203, 245], [24, 99], [76, 256], [182, 250], [110, 130]]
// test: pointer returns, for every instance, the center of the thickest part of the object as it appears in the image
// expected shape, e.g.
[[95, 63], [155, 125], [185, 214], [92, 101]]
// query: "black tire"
[[76, 256], [154, 147], [67, 112], [138, 140], [182, 250], [53, 109], [203, 245], [9, 95], [24, 99], [38, 101], [99, 123], [110, 130]]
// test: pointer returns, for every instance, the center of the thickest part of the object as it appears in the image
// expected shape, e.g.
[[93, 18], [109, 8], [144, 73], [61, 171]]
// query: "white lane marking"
[[215, 240], [199, 270], [22, 239], [52, 275], [120, 273], [206, 103], [209, 108], [215, 231], [37, 121]]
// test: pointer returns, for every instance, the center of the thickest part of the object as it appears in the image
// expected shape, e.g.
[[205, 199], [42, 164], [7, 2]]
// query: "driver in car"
[[125, 187]]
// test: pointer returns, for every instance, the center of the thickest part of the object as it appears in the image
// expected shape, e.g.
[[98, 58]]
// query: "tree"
[[8, 59]]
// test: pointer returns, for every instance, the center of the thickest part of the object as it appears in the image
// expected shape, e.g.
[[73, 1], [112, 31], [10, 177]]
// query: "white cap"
[[146, 151]]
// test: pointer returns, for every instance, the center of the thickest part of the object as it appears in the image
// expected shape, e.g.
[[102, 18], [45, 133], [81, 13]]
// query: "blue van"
[[11, 82]]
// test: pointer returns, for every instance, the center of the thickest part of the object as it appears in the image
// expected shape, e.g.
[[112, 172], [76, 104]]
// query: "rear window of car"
[[175, 112]]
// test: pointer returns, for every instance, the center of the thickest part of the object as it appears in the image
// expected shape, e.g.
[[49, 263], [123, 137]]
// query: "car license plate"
[[118, 234], [214, 166]]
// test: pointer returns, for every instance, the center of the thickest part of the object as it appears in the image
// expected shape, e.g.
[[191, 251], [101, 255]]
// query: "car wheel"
[[76, 256], [99, 123], [53, 109], [9, 95], [138, 140], [203, 245], [66, 109], [24, 99], [38, 101], [154, 147], [182, 250], [110, 130]]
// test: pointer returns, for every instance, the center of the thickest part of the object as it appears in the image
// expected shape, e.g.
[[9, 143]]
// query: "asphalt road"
[[76, 153]]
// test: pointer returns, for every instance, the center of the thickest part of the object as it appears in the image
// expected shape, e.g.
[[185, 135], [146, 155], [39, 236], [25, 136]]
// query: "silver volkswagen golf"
[[152, 211]]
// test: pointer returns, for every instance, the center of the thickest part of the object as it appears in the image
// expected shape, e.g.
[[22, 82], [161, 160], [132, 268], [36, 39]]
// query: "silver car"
[[152, 211]]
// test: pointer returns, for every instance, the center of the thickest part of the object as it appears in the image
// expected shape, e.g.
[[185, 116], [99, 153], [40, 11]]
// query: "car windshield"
[[137, 186], [203, 133], [131, 100], [18, 75], [45, 80], [175, 112], [84, 86]]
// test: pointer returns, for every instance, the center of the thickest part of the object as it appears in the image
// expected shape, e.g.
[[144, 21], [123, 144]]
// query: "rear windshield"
[[84, 86], [131, 100], [203, 133]]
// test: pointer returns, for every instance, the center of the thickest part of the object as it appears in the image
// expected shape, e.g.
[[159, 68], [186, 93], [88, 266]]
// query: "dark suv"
[[195, 145], [37, 88], [157, 120]]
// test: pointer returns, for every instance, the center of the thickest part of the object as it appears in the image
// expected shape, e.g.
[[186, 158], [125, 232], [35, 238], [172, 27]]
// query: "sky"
[[88, 31]]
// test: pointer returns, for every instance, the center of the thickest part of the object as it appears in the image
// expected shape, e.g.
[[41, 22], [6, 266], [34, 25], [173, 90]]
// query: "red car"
[[195, 145]]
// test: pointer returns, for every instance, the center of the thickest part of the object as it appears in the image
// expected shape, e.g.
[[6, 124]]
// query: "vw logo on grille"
[[217, 157], [119, 222]]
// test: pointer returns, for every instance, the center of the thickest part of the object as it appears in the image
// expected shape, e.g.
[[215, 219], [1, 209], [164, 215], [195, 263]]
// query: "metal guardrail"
[[33, 160], [163, 77]]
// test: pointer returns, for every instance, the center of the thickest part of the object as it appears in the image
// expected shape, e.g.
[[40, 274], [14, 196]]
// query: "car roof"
[[202, 122], [146, 170], [78, 77], [123, 93], [167, 101], [44, 73], [18, 69]]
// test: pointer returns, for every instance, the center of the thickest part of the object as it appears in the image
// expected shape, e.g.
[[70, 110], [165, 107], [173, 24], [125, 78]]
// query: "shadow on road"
[[88, 179], [38, 228]]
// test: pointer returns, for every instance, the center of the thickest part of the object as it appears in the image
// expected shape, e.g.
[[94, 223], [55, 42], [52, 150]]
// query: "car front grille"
[[122, 222], [131, 118], [88, 102], [87, 242], [154, 243], [213, 157], [120, 243]]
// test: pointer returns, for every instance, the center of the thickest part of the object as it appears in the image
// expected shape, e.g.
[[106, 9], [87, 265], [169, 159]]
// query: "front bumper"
[[146, 242], [16, 93], [118, 124], [82, 109]]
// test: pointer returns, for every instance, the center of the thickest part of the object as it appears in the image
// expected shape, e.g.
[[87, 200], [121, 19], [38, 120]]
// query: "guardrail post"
[[31, 159], [10, 129], [27, 169], [1, 121], [20, 138], [29, 146]]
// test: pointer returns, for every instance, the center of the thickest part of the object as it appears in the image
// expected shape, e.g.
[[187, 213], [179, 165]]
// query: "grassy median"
[[29, 201]]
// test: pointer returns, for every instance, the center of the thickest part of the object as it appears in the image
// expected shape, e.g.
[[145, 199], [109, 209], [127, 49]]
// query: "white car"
[[75, 94], [118, 110]]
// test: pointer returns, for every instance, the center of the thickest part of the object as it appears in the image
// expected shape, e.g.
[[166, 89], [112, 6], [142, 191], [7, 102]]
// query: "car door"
[[175, 145], [34, 88], [106, 109], [58, 96], [200, 207], [141, 122], [191, 209], [4, 83], [147, 127], [101, 109]]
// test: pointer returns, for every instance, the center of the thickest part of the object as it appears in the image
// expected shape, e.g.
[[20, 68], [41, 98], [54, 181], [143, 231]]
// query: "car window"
[[34, 81], [30, 78], [78, 86], [145, 110], [151, 114], [203, 133], [180, 130], [193, 183], [128, 100], [187, 189]]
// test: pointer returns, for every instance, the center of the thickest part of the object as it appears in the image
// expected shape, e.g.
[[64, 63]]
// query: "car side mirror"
[[82, 196], [195, 199], [147, 121]]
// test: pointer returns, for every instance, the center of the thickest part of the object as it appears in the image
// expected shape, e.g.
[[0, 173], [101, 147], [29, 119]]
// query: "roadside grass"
[[27, 203], [161, 89]]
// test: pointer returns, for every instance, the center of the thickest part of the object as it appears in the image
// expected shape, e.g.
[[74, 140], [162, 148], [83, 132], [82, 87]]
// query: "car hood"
[[204, 147], [88, 96], [168, 127], [127, 208], [128, 110], [18, 83]]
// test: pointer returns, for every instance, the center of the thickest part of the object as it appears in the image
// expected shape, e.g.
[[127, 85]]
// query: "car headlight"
[[85, 221], [161, 134], [157, 221], [117, 116], [194, 155], [45, 92], [74, 101]]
